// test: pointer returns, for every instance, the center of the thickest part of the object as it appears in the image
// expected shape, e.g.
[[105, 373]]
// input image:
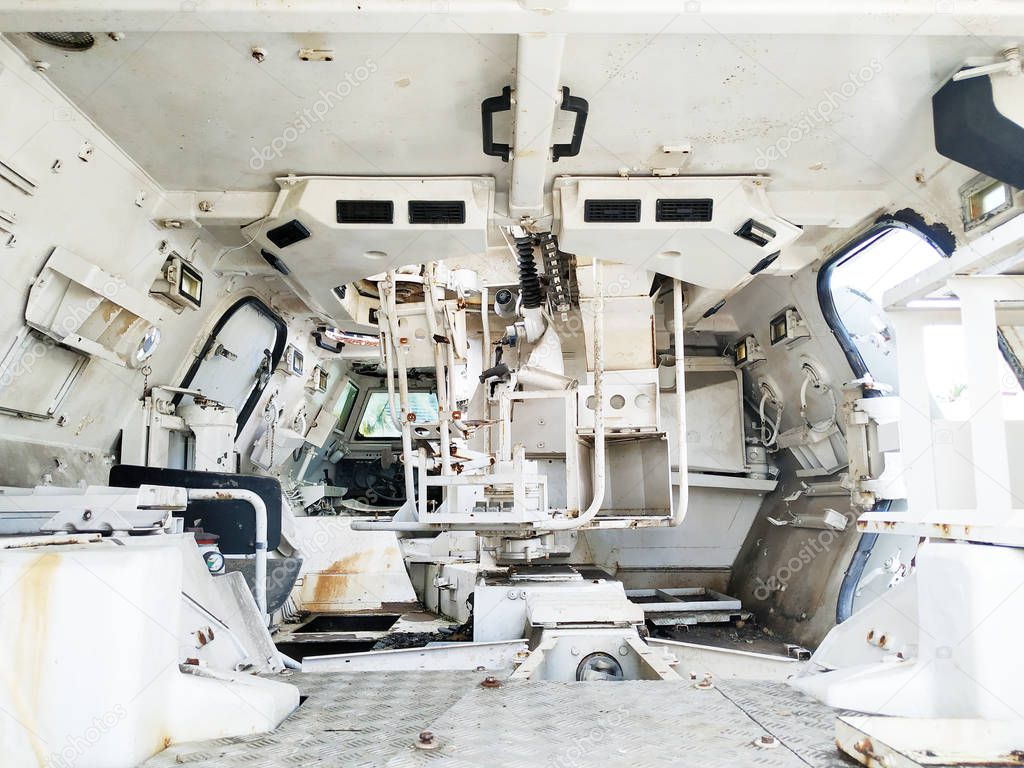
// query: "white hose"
[[776, 425], [826, 424]]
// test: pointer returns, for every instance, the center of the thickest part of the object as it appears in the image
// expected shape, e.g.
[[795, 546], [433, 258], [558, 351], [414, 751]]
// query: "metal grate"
[[627, 211], [366, 212], [684, 210], [437, 212], [66, 41]]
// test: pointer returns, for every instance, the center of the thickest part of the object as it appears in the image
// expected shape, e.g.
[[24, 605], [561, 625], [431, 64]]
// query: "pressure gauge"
[[214, 560]]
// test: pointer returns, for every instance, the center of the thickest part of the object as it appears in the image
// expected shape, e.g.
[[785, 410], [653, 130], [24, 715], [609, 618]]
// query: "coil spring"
[[529, 281]]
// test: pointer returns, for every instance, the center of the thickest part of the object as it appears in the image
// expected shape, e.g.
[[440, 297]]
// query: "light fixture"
[[746, 352], [755, 232], [147, 347], [293, 361], [788, 327], [180, 282], [983, 198], [318, 381]]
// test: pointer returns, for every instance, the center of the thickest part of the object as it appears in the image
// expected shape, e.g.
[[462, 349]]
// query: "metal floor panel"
[[373, 719]]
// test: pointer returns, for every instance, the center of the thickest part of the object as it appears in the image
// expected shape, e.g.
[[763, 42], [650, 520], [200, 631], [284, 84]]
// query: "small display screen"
[[779, 328]]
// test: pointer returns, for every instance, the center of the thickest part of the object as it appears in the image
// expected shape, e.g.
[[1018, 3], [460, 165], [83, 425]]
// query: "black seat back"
[[231, 520]]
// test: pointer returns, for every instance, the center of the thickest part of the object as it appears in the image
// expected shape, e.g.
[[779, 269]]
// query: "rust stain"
[[865, 747], [349, 577], [32, 647]]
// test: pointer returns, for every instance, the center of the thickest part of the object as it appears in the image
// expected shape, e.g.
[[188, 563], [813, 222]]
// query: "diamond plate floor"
[[373, 719]]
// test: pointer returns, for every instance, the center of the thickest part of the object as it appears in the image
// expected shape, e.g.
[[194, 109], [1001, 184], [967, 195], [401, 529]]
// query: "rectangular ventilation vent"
[[437, 212], [611, 211], [684, 210], [366, 212]]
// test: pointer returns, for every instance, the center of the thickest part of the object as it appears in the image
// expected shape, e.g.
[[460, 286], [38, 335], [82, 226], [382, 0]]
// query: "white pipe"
[[385, 348], [679, 512], [403, 385], [288, 661], [599, 437], [486, 323], [260, 511], [443, 388]]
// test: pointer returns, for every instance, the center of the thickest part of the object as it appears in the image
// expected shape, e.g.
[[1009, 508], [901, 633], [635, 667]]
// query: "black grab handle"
[[580, 106], [318, 337], [488, 107]]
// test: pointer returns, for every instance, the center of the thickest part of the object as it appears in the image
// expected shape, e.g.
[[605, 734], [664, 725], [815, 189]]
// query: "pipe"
[[403, 385], [486, 323], [679, 512], [443, 386], [599, 437], [385, 348], [260, 511], [288, 661]]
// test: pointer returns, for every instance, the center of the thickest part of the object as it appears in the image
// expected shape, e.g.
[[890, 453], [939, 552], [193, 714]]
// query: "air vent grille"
[[66, 41], [366, 212], [683, 210], [437, 212], [622, 211]]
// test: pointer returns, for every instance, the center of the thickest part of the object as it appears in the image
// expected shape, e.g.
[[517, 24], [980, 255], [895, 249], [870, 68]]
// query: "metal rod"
[[260, 511], [599, 437], [443, 386], [683, 503]]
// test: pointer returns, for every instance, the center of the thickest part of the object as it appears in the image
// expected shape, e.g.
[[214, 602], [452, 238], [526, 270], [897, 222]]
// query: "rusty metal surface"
[[376, 719]]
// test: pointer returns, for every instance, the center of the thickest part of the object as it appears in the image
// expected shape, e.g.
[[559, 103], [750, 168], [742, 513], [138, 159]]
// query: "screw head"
[[426, 740], [766, 741], [490, 682]]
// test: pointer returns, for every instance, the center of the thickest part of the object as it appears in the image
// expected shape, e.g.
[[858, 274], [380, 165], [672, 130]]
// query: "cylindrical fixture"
[[505, 303]]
